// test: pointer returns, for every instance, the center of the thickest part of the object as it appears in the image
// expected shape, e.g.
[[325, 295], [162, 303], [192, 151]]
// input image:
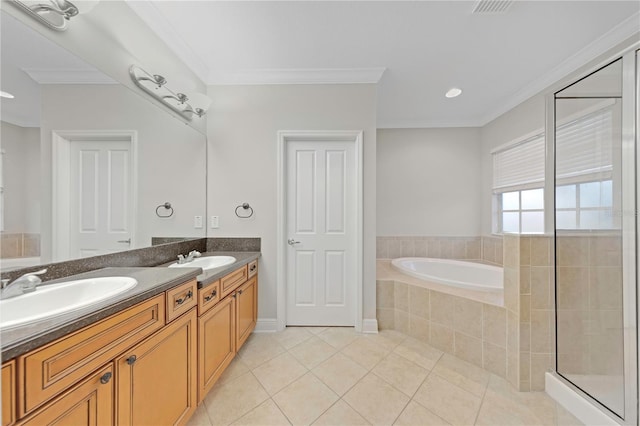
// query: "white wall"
[[522, 120], [242, 130], [428, 182], [21, 174], [172, 156]]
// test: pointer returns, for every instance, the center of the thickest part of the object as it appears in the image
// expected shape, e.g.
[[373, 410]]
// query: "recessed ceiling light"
[[6, 95], [453, 92]]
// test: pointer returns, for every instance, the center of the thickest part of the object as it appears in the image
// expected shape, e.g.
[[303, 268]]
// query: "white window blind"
[[519, 166], [584, 148]]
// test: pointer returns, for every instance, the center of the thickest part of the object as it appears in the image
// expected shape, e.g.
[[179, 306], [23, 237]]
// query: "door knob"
[[292, 242], [125, 241]]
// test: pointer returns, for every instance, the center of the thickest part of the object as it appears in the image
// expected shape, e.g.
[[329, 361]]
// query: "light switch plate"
[[197, 222], [215, 222]]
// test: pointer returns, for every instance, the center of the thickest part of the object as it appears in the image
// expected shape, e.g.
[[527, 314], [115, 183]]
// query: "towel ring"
[[244, 206], [167, 206]]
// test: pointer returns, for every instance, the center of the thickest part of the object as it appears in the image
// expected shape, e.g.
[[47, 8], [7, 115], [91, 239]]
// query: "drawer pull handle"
[[253, 268], [184, 299], [132, 359], [210, 296], [105, 378]]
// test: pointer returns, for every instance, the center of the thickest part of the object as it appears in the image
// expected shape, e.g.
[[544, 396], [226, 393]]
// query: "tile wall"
[[16, 245]]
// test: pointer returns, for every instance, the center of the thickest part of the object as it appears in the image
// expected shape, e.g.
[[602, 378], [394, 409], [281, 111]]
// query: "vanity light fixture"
[[55, 14], [7, 95], [155, 85], [453, 92]]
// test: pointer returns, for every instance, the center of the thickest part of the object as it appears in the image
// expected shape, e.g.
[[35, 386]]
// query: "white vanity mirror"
[[87, 164]]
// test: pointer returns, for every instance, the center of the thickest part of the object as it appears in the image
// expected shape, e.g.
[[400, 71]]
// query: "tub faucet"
[[25, 284]]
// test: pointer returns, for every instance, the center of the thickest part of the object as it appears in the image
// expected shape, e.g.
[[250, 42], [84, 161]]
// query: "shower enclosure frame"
[[630, 224]]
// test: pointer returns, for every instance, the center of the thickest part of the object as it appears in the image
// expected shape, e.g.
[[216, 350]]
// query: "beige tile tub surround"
[[413, 383], [17, 245]]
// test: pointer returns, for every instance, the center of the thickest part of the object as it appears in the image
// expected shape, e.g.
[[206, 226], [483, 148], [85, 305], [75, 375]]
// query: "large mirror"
[[86, 164]]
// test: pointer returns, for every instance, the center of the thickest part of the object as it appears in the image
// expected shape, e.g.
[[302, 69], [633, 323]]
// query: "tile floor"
[[335, 376]]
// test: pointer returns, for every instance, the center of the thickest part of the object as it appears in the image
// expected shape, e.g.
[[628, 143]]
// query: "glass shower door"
[[591, 180]]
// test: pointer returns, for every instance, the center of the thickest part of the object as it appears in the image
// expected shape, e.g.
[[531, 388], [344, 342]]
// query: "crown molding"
[[159, 24], [18, 121], [426, 124], [600, 46], [68, 76], [297, 76]]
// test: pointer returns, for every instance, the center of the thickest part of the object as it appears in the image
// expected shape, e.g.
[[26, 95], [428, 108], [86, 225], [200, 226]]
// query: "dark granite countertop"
[[242, 258], [151, 281]]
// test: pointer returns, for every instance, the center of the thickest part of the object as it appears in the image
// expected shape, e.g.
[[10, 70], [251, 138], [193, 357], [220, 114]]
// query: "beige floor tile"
[[446, 400], [235, 369], [338, 337], [377, 401], [291, 336], [365, 352], [277, 373], [234, 399], [315, 330], [416, 415], [260, 350], [312, 352], [340, 373], [200, 417], [388, 339], [401, 373], [266, 414], [304, 400], [340, 414], [463, 374], [500, 395], [419, 352]]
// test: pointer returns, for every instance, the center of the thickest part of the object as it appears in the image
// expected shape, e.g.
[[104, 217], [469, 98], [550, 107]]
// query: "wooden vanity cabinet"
[[88, 403], [246, 310], [157, 381], [9, 393]]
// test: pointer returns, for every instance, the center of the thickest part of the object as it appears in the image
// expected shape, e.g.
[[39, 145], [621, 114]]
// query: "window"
[[585, 205], [518, 181]]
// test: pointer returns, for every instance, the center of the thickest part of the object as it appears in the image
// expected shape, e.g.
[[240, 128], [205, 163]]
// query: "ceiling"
[[423, 47]]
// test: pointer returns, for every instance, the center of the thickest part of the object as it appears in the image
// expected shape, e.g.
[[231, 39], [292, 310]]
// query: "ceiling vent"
[[492, 6]]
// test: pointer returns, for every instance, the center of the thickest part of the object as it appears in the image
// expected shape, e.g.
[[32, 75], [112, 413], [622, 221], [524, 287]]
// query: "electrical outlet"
[[215, 222], [197, 222]]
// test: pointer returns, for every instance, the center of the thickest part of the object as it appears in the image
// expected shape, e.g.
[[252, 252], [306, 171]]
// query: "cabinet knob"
[[239, 291], [253, 267], [105, 378], [132, 359], [185, 298]]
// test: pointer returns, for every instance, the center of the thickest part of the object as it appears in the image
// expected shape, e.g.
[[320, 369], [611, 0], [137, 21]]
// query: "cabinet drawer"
[[9, 393], [181, 299], [208, 296], [89, 403], [253, 268], [232, 281], [47, 371]]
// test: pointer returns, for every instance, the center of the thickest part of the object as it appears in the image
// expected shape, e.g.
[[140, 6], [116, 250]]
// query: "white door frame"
[[60, 178], [353, 136]]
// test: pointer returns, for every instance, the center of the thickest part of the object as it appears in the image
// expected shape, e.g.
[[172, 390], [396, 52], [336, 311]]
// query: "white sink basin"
[[56, 299], [205, 263]]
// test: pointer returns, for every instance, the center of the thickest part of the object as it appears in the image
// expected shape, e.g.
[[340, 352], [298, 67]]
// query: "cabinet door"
[[157, 379], [217, 344], [89, 403], [246, 310], [8, 393]]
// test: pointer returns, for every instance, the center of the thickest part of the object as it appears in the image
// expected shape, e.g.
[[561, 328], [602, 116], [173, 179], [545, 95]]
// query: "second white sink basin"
[[56, 299], [205, 263]]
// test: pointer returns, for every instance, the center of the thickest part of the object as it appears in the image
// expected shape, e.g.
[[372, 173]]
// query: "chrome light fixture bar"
[[55, 14], [155, 85]]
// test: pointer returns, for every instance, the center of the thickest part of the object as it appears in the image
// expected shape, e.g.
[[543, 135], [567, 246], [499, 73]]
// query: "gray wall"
[[242, 130]]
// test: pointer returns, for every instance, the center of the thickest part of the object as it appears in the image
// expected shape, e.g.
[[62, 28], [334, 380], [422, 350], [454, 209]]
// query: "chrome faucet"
[[192, 255], [24, 284]]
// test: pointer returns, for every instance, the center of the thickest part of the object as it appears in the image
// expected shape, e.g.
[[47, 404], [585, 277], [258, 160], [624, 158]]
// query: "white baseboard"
[[370, 326], [266, 325], [574, 403]]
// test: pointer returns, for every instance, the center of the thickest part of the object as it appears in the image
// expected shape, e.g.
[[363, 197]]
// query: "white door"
[[101, 205], [321, 194]]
